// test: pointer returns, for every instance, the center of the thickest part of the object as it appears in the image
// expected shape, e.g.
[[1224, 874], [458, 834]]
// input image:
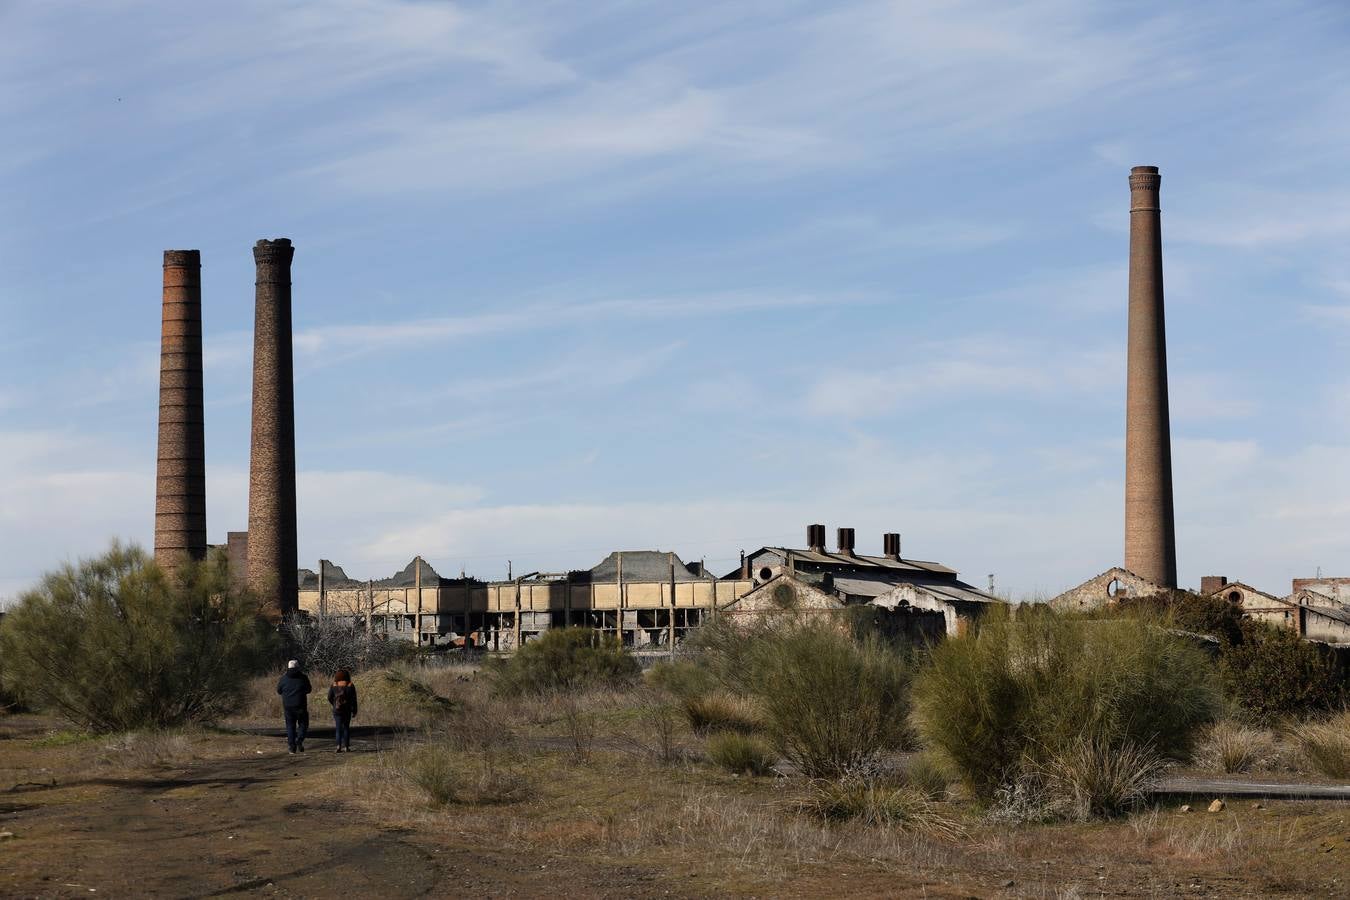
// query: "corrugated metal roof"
[[879, 562], [864, 587]]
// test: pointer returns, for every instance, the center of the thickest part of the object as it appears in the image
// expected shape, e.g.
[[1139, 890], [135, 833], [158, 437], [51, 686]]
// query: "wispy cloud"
[[934, 371], [377, 336]]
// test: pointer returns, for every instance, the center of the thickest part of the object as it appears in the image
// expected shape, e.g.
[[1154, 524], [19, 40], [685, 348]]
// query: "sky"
[[576, 277]]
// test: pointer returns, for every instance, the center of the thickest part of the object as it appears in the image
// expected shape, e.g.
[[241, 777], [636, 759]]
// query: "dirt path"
[[247, 825]]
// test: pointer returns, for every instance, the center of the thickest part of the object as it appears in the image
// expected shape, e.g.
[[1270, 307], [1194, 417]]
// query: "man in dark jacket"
[[293, 688]]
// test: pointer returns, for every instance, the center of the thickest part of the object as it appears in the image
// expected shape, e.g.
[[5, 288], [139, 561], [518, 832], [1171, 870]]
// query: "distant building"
[[646, 597], [1104, 589], [922, 599]]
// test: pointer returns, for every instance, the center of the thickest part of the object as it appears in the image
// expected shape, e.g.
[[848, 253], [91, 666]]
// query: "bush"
[[433, 771], [831, 704], [926, 773], [1325, 745], [722, 711], [341, 642], [1273, 673], [682, 679], [566, 659], [1016, 695], [1233, 749], [115, 644], [741, 753]]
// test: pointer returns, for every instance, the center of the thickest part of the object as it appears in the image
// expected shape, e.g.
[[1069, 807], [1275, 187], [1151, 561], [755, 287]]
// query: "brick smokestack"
[[1150, 528], [180, 468], [272, 556]]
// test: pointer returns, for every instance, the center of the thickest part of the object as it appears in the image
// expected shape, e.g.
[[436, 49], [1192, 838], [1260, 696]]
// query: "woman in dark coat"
[[342, 697]]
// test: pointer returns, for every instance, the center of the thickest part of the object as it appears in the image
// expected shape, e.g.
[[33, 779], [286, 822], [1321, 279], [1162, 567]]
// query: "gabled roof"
[[643, 566], [1232, 585]]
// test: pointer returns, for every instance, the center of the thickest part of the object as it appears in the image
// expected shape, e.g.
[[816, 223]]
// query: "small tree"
[[114, 643]]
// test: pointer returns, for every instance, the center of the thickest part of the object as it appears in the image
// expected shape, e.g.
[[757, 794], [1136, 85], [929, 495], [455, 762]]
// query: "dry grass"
[[1325, 746], [142, 750], [1233, 749], [722, 711], [444, 776], [878, 804]]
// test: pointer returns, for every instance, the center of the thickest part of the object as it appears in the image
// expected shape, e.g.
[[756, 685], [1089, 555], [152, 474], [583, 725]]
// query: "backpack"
[[341, 699]]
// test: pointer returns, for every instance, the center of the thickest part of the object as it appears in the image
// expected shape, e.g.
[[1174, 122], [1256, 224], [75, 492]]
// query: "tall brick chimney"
[[1150, 528], [272, 556], [180, 467]]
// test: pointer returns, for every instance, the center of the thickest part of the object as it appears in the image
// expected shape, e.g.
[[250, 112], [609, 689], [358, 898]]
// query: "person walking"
[[294, 687], [342, 697]]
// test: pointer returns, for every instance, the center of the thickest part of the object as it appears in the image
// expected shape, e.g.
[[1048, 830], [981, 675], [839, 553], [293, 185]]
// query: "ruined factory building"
[[648, 598], [1317, 615], [1314, 615], [923, 599]]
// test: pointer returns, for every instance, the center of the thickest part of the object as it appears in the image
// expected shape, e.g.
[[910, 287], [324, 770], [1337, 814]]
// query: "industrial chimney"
[[272, 556], [1150, 528], [180, 467]]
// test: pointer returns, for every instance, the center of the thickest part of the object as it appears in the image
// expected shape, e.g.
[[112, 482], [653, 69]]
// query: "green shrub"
[[115, 644], [831, 704], [566, 659], [1017, 694], [722, 711], [1325, 745], [1273, 673], [742, 754], [681, 679]]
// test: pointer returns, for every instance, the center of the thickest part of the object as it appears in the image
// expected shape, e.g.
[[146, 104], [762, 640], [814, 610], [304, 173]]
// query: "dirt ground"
[[213, 814]]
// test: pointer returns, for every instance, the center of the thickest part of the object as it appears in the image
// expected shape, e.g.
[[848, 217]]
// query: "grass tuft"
[[742, 754], [1325, 745]]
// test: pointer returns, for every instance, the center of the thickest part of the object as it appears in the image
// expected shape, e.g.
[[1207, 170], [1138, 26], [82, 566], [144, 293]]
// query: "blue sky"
[[573, 277]]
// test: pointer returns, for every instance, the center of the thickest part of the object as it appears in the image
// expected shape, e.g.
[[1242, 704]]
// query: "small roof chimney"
[[890, 543], [845, 541], [815, 538]]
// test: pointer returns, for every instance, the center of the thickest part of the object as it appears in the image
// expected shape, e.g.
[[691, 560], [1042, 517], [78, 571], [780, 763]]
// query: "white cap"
[[293, 664]]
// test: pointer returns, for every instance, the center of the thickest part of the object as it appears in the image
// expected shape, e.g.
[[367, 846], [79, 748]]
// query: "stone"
[[1216, 806], [6, 835], [1150, 525], [1186, 808]]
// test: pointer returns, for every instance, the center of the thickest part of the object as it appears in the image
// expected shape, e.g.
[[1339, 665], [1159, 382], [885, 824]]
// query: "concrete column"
[[180, 469], [272, 556], [1150, 528]]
